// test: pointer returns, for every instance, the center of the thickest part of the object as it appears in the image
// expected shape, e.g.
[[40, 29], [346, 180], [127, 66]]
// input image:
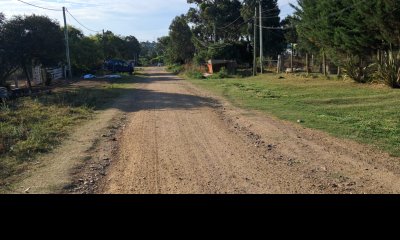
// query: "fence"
[[284, 64], [56, 73]]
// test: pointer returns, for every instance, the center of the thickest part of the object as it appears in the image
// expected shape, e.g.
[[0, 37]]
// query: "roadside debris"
[[112, 76], [89, 76]]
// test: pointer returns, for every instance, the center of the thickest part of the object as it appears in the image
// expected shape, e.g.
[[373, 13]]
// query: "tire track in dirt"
[[180, 139]]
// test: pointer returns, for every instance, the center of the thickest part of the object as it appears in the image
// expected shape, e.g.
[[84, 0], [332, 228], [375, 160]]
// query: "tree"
[[273, 38], [147, 52], [338, 29], [8, 62], [132, 48], [32, 40], [216, 20], [162, 48], [86, 52], [181, 46]]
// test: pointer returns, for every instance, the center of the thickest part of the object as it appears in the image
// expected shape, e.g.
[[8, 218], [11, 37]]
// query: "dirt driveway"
[[180, 139]]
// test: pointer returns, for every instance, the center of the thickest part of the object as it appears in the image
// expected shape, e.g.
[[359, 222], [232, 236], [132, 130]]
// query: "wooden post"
[[291, 58], [324, 64], [307, 65], [278, 65], [312, 62]]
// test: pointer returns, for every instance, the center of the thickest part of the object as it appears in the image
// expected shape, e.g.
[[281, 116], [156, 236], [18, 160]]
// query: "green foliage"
[[194, 74], [389, 69], [86, 52], [148, 52], [223, 73], [181, 48], [176, 68], [345, 28], [27, 40], [356, 71]]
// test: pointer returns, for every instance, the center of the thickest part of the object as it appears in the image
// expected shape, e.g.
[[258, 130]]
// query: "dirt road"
[[179, 139]]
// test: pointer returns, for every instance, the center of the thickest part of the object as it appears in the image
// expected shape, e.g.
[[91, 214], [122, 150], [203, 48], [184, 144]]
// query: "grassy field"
[[30, 126], [365, 113]]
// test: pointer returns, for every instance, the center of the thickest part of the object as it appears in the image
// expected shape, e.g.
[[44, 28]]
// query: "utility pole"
[[255, 43], [261, 38], [67, 44], [215, 32]]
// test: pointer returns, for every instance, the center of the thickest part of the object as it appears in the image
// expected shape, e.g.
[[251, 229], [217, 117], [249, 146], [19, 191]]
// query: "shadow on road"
[[129, 99]]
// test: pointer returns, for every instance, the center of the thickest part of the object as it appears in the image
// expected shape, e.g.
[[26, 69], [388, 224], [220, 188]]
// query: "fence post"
[[278, 65]]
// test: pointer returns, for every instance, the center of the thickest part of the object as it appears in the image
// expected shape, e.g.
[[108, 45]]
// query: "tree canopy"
[[30, 40]]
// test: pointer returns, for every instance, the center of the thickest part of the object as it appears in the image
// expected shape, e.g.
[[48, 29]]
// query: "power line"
[[51, 9], [230, 23], [271, 28], [81, 23]]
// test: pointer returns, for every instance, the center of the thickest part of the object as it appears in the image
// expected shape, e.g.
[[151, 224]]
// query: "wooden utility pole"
[[255, 43], [215, 32], [261, 38], [67, 44]]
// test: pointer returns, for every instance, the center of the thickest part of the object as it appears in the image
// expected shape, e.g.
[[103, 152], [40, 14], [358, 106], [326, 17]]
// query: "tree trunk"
[[339, 71], [312, 62], [25, 68]]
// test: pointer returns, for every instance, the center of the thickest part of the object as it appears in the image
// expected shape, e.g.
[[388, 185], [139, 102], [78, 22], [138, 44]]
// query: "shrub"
[[389, 70], [354, 68], [223, 73], [194, 74], [176, 69]]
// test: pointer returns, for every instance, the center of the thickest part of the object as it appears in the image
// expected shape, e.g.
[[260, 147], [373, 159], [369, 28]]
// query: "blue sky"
[[144, 19]]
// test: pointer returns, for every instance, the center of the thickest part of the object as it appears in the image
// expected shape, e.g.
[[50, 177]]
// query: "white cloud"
[[142, 18], [145, 19]]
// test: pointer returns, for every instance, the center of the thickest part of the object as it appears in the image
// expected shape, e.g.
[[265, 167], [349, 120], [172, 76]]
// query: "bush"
[[389, 70], [176, 69], [194, 74], [354, 68], [223, 73]]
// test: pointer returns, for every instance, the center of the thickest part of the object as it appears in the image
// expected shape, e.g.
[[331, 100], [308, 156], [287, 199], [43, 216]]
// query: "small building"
[[216, 65]]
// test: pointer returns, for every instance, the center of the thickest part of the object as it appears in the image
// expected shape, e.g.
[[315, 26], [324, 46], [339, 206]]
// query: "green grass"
[[365, 113], [30, 126]]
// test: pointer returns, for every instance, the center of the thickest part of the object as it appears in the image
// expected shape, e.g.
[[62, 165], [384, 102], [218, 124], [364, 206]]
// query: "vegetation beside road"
[[30, 126], [365, 113]]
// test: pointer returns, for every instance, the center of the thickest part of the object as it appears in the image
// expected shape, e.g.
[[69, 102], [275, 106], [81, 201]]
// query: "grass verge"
[[366, 113], [31, 126]]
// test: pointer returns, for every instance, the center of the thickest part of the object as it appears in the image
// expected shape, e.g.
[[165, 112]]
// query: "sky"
[[145, 19]]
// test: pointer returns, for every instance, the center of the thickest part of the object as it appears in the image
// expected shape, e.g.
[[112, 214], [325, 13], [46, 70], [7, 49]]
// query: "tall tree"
[[216, 20], [181, 46], [132, 48]]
